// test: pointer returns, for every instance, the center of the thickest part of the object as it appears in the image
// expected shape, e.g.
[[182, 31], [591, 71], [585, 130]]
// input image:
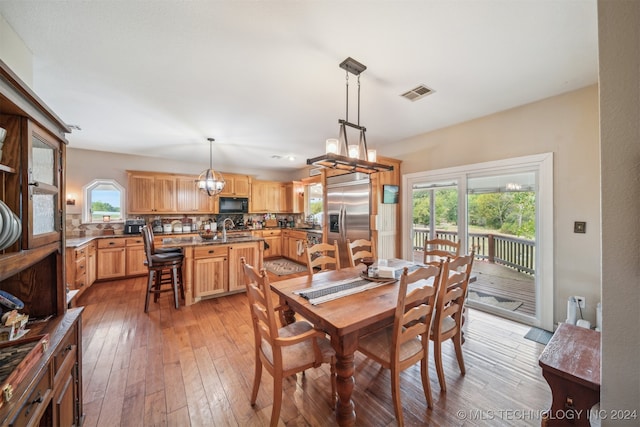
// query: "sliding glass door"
[[503, 211], [434, 214]]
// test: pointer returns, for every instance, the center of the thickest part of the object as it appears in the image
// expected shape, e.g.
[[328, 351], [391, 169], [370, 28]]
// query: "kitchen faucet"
[[224, 228]]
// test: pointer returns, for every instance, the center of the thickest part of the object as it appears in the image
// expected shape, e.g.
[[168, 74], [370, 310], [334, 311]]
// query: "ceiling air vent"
[[417, 93], [314, 171]]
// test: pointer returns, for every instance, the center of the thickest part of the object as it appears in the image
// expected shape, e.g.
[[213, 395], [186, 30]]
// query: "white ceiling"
[[158, 77]]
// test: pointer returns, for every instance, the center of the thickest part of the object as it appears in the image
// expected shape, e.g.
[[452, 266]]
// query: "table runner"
[[342, 288]]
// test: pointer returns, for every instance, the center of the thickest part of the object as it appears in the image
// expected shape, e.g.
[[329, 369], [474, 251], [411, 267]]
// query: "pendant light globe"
[[210, 181]]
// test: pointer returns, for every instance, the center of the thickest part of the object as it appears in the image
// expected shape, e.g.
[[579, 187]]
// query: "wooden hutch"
[[46, 386]]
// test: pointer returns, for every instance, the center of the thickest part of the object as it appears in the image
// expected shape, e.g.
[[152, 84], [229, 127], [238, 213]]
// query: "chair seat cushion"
[[379, 344], [166, 257], [447, 324], [301, 354], [167, 251]]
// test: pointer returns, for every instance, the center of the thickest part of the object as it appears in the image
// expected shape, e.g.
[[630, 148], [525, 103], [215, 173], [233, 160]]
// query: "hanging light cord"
[[358, 99], [347, 95]]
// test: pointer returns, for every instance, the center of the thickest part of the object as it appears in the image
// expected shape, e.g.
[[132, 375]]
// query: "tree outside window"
[[103, 198]]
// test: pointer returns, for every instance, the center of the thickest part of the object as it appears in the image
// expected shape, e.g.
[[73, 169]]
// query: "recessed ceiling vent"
[[417, 93]]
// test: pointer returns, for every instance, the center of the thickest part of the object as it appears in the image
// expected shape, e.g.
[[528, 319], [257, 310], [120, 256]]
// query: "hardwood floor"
[[194, 367]]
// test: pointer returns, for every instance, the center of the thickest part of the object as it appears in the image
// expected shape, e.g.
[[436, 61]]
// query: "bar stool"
[[164, 269]]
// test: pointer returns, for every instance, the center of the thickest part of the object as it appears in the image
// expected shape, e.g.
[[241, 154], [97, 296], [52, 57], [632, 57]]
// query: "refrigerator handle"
[[343, 223]]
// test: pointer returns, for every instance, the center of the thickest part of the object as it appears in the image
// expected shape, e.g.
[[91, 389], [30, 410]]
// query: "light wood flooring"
[[194, 367]]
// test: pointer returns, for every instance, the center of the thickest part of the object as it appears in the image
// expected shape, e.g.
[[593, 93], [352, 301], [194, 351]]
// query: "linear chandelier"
[[210, 181], [339, 154]]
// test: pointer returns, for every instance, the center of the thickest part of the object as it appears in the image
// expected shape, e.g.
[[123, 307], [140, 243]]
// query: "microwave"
[[233, 205]]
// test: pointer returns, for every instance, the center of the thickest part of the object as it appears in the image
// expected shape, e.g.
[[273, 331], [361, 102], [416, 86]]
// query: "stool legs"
[[164, 275]]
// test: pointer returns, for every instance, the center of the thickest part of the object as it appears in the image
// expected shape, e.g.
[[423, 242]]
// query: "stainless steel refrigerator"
[[348, 210]]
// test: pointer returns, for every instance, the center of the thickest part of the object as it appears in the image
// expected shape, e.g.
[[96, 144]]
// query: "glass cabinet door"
[[43, 188]]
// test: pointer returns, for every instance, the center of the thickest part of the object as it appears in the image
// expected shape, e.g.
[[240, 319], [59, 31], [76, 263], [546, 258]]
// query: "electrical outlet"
[[581, 301]]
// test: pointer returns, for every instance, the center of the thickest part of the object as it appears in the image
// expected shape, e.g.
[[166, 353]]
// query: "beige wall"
[[15, 53], [566, 125], [619, 40]]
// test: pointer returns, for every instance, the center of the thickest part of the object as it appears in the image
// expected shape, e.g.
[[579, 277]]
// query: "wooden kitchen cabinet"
[[112, 261], [190, 199], [92, 262], [265, 196], [273, 238], [77, 267], [151, 193], [34, 267], [235, 185], [251, 253], [210, 270], [135, 257], [293, 199], [293, 245]]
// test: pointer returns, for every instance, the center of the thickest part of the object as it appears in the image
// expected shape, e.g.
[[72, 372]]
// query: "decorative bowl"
[[207, 235]]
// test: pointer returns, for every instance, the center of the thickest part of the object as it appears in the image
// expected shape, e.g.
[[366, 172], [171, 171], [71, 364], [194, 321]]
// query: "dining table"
[[344, 319]]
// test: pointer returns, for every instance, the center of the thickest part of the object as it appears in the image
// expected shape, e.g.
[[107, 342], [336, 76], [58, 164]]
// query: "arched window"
[[103, 201]]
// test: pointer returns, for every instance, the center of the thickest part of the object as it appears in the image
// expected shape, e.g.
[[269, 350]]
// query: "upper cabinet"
[[265, 196], [163, 193], [37, 155], [235, 185], [151, 193], [32, 178], [191, 199]]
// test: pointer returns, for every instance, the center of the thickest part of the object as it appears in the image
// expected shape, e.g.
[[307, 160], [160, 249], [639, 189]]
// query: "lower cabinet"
[[293, 243], [50, 394], [251, 254], [120, 257], [135, 256], [112, 261], [210, 270], [92, 262], [217, 268], [273, 239]]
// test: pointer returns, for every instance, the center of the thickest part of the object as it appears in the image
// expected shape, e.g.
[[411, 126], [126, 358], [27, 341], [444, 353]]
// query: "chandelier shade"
[[210, 181]]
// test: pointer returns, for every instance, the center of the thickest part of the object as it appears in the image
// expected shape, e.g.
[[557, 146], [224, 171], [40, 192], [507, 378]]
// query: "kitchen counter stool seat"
[[164, 269]]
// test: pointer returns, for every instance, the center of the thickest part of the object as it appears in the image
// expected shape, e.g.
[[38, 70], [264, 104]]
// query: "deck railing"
[[513, 252]]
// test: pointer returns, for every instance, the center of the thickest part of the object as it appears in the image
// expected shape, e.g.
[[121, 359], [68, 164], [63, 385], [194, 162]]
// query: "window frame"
[[86, 206]]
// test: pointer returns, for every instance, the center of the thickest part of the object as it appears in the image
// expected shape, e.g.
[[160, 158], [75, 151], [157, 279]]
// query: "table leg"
[[571, 402], [345, 348]]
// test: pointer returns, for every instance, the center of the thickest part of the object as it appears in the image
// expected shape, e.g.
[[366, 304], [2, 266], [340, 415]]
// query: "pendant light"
[[210, 181], [339, 153]]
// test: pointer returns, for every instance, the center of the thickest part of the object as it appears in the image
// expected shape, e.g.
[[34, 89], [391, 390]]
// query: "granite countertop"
[[199, 241]]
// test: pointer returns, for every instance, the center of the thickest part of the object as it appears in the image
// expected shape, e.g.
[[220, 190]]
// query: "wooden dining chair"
[[436, 250], [401, 345], [322, 256], [449, 317], [359, 249], [282, 351]]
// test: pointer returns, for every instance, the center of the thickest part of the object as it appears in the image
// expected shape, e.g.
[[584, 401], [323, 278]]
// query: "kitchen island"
[[212, 267]]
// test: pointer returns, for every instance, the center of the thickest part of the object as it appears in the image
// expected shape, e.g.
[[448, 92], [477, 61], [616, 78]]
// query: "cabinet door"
[[165, 194], [65, 402], [258, 197], [44, 180], [241, 185], [251, 253], [135, 256], [91, 263], [111, 263], [141, 193], [209, 276], [190, 198], [273, 197]]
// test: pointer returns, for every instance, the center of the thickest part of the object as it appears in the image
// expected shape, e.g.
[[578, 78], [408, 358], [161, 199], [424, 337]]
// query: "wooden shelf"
[[5, 168]]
